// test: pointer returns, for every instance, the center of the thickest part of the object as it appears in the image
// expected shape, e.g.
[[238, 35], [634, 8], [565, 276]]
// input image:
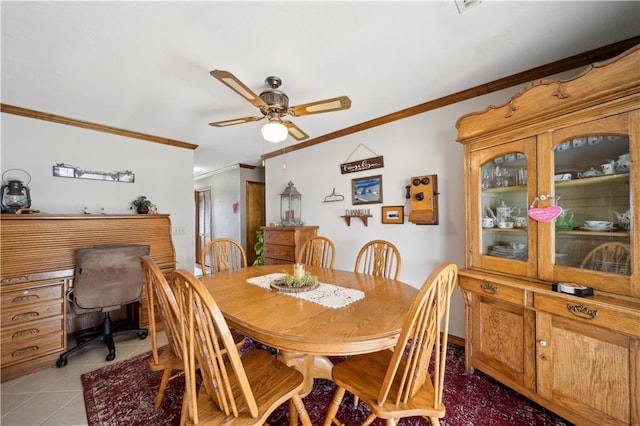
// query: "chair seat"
[[166, 360], [271, 381], [363, 375]]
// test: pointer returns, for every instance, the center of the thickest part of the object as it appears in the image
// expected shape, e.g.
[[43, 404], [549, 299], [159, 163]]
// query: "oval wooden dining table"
[[306, 332]]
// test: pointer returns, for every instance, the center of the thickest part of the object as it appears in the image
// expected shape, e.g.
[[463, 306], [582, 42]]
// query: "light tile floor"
[[53, 396]]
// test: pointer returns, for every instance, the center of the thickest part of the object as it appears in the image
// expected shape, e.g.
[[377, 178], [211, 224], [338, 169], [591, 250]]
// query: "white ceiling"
[[144, 66]]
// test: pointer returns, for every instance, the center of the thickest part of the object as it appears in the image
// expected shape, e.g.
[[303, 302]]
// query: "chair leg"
[[370, 419], [166, 375], [293, 414], [299, 410], [333, 408], [434, 421]]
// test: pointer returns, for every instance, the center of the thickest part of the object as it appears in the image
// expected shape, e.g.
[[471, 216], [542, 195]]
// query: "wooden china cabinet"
[[575, 144]]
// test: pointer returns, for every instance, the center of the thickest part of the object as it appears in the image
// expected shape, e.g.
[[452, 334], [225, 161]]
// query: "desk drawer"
[[492, 289], [25, 296], [590, 312], [27, 349], [285, 238], [12, 336], [285, 253], [32, 312]]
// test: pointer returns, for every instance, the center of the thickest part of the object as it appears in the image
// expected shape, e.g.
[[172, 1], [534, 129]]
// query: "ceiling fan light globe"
[[274, 132]]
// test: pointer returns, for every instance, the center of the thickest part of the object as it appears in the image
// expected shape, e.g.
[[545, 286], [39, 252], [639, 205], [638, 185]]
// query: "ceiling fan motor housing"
[[275, 100]]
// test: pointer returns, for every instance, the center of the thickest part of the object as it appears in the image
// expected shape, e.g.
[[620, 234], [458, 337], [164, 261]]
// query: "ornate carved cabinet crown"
[[552, 186], [37, 259]]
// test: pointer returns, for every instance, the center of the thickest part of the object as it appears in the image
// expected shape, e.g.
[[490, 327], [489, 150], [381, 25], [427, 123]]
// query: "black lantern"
[[15, 194], [290, 206]]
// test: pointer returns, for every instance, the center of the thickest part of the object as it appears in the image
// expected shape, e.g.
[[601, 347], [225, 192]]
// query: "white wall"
[[421, 145], [163, 173]]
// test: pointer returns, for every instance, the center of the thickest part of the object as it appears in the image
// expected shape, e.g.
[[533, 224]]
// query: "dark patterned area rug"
[[123, 394]]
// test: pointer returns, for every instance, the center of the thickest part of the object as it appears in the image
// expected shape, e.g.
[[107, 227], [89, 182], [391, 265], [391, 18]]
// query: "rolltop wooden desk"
[[37, 267]]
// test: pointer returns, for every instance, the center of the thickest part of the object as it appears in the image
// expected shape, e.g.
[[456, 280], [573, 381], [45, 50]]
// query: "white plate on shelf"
[[598, 229]]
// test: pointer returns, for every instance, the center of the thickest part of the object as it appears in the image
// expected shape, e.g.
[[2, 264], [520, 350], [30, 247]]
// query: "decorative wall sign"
[[362, 165], [367, 190], [69, 171]]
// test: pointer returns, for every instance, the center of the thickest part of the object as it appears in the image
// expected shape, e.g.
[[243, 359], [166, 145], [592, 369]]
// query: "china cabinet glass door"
[[504, 234], [591, 180]]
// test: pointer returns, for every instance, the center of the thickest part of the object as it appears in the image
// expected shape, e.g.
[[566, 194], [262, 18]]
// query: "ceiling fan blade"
[[295, 131], [333, 104], [235, 121], [230, 80]]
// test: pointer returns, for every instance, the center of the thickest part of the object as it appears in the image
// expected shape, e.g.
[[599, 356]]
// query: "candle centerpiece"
[[298, 282]]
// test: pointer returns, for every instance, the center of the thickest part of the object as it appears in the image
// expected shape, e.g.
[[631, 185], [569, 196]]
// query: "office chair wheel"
[[143, 334], [111, 356], [61, 362]]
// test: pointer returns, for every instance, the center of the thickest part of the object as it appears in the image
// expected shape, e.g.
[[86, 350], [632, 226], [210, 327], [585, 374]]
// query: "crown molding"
[[39, 115], [567, 64]]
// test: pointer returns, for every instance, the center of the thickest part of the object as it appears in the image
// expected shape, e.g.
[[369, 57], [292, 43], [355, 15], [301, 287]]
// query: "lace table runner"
[[329, 295]]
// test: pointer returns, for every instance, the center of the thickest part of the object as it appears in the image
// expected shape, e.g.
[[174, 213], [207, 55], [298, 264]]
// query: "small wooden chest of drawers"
[[282, 244]]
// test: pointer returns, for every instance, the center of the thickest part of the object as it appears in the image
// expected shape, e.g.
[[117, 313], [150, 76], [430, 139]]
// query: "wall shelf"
[[363, 217]]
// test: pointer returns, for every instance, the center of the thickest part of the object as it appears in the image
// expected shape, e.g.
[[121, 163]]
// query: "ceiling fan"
[[274, 104]]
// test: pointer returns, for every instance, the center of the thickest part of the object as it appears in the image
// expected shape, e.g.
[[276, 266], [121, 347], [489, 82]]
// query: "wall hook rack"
[[333, 197]]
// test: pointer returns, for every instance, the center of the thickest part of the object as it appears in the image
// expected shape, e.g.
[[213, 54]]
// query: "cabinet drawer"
[[25, 296], [26, 349], [590, 312], [282, 238], [30, 331], [31, 313], [489, 288], [279, 252]]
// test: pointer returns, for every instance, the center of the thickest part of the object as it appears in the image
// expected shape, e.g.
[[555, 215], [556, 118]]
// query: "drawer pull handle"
[[25, 351], [582, 311], [488, 288], [22, 333], [28, 298], [25, 315]]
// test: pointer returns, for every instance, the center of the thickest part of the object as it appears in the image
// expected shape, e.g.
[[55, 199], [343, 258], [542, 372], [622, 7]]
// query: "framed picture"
[[366, 190], [392, 214]]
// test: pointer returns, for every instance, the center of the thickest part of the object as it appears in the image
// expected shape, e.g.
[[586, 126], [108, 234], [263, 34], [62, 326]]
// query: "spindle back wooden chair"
[[161, 305], [317, 251], [379, 258], [613, 257], [234, 390], [396, 384], [222, 254]]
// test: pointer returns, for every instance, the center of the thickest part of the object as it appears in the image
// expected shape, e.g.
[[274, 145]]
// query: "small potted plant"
[[142, 204], [259, 247]]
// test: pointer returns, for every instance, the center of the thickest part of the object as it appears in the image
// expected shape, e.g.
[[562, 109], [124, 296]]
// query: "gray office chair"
[[106, 278]]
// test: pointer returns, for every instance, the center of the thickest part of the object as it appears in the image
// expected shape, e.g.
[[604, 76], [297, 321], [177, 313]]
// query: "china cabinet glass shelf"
[[608, 179]]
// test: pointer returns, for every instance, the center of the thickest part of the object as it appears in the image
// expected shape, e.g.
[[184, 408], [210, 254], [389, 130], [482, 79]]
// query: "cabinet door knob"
[[543, 343]]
